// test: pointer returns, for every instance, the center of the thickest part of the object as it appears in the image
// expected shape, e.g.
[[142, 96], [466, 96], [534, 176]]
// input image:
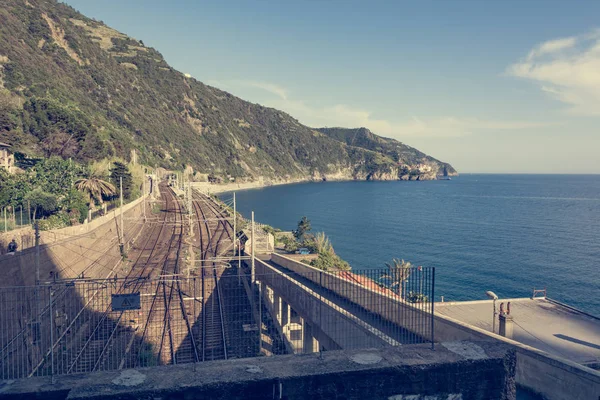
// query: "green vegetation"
[[95, 188], [290, 245], [303, 227], [387, 153], [96, 94], [318, 244], [398, 273], [42, 203], [416, 297], [60, 191], [327, 259], [270, 230], [119, 173]]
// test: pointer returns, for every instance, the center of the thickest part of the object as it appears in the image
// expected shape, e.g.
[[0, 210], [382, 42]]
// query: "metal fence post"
[[432, 308], [51, 335], [259, 318], [320, 310]]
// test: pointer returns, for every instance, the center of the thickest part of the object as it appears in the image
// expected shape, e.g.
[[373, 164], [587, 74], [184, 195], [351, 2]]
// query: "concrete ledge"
[[457, 370]]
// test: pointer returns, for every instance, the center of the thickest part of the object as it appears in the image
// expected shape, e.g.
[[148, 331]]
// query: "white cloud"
[[567, 69], [265, 86], [341, 115], [443, 126], [552, 46]]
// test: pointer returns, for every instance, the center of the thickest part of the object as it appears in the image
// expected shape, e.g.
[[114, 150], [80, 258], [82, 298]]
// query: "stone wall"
[[91, 249], [464, 371]]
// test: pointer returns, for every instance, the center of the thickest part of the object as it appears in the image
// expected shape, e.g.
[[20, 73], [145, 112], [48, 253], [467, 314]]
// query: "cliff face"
[[403, 162], [72, 86]]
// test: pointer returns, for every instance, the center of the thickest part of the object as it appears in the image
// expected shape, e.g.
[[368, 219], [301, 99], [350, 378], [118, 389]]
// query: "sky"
[[489, 86]]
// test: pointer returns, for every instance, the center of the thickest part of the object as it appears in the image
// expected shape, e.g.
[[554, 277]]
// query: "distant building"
[[7, 160]]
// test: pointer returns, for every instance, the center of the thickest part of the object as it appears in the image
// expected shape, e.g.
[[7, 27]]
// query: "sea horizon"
[[507, 233]]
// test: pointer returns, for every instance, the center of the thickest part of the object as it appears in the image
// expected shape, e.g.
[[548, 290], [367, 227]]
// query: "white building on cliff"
[[7, 160]]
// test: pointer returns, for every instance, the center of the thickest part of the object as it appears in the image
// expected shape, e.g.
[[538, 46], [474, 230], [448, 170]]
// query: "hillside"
[[409, 159], [73, 87]]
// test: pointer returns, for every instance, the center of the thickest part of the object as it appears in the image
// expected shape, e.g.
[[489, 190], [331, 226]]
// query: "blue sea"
[[505, 233]]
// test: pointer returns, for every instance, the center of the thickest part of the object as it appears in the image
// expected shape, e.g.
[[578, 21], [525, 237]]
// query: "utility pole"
[[122, 239], [37, 282], [235, 240], [21, 212], [144, 196], [191, 232], [252, 268], [37, 253], [189, 206], [234, 222], [5, 225]]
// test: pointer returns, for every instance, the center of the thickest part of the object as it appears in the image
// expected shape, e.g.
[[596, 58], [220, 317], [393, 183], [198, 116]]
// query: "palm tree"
[[398, 273], [95, 188]]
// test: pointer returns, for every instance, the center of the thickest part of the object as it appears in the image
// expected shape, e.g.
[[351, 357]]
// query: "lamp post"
[[493, 296]]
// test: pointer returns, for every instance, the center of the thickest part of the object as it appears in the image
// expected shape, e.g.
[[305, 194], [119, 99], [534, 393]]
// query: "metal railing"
[[217, 313], [14, 218]]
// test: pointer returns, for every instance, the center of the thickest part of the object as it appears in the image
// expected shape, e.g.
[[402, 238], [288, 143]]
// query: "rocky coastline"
[[216, 188]]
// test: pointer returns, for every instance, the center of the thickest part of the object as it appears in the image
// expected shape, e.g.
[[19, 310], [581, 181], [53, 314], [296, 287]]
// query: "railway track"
[[100, 340], [180, 320], [102, 348], [82, 344], [214, 335]]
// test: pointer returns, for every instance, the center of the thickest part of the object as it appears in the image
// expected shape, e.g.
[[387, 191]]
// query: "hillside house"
[[7, 159]]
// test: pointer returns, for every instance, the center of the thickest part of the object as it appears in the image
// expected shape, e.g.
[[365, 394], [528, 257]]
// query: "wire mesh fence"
[[14, 218], [218, 312]]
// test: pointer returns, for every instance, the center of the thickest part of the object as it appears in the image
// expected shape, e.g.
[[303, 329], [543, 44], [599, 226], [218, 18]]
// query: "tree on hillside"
[[42, 203], [96, 188], [118, 171], [303, 227], [60, 144], [397, 275], [56, 175]]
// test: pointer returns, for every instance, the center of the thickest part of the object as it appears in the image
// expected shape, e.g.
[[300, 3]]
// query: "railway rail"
[[214, 338], [180, 320]]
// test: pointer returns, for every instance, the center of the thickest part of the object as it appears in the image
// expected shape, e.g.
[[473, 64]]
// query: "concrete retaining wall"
[[411, 372], [91, 249], [553, 377], [26, 238], [337, 328], [413, 317]]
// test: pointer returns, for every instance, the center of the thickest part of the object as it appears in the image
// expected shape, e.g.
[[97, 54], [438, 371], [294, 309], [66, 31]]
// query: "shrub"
[[55, 221], [416, 297]]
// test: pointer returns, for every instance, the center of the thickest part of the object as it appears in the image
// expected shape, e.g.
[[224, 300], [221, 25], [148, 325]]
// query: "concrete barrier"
[[338, 329], [414, 317], [26, 236], [68, 252], [408, 372], [553, 377]]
